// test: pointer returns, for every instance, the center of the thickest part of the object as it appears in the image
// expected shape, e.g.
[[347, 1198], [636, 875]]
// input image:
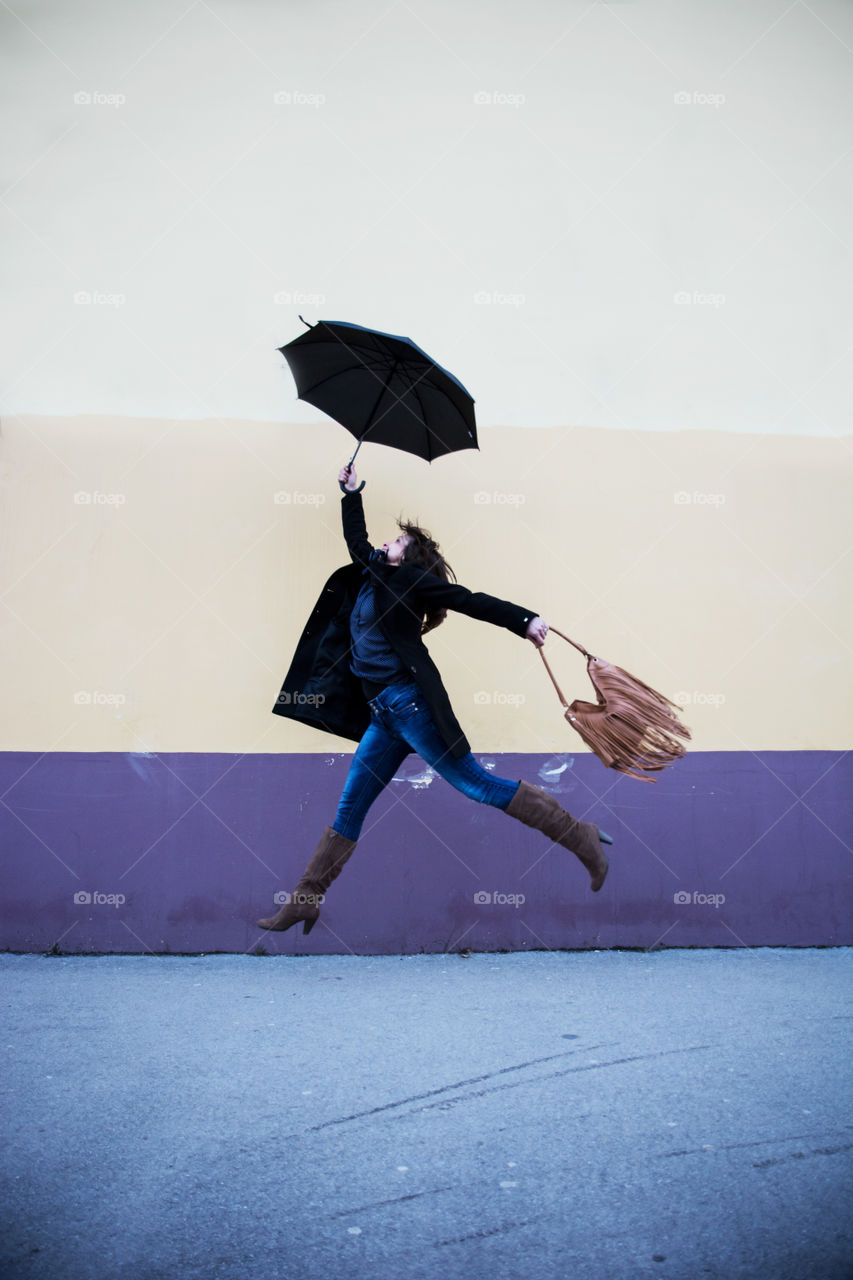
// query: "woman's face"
[[394, 550]]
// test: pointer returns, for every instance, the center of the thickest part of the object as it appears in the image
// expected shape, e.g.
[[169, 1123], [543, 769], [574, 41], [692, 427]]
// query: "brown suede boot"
[[326, 864], [538, 809]]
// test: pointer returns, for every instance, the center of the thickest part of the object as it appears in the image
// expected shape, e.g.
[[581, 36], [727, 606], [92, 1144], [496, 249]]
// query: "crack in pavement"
[[459, 1084], [378, 1204], [479, 1093], [447, 1103], [802, 1155], [493, 1231], [732, 1146]]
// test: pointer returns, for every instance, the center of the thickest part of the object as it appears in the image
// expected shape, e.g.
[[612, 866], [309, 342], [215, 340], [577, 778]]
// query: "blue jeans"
[[400, 719]]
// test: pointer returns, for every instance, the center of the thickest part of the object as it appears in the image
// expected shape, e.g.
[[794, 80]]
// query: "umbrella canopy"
[[383, 388]]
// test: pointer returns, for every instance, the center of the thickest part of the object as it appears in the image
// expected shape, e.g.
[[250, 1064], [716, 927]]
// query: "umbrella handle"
[[349, 464]]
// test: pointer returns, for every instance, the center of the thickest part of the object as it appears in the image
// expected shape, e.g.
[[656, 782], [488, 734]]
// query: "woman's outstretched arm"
[[432, 593], [352, 514]]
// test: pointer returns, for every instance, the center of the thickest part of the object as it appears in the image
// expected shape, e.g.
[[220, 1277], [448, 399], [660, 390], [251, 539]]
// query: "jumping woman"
[[362, 671]]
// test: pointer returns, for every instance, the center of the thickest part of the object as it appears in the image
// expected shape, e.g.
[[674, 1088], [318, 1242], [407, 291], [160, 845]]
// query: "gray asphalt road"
[[675, 1114]]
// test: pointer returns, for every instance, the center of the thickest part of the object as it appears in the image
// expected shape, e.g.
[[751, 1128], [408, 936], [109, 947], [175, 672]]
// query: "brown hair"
[[423, 550]]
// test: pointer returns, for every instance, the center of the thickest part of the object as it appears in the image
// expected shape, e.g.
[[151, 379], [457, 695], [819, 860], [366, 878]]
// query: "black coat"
[[320, 690]]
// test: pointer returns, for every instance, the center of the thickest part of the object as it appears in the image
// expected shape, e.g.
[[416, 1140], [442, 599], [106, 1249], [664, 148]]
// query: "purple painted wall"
[[196, 845]]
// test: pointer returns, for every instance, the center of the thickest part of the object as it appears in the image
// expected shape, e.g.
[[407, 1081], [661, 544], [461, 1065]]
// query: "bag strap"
[[548, 669]]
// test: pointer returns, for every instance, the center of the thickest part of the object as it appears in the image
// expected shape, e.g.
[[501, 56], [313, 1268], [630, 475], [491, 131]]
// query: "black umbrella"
[[383, 388]]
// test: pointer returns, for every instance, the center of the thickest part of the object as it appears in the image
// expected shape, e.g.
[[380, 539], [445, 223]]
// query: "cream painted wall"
[[624, 228], [619, 215], [148, 568]]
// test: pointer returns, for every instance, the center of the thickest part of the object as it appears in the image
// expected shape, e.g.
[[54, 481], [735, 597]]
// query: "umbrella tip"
[[310, 326]]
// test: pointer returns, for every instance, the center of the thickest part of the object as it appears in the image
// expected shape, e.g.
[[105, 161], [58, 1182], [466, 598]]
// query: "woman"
[[361, 670]]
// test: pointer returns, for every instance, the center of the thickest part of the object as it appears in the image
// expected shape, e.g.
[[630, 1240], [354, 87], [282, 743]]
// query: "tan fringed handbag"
[[632, 728]]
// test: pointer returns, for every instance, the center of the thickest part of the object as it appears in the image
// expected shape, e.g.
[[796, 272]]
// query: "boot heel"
[[604, 837], [328, 858]]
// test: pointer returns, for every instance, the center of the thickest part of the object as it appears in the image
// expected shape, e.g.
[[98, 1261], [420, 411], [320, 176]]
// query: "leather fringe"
[[633, 728]]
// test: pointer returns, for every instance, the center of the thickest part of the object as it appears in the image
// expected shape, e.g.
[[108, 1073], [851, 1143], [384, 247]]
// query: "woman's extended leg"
[[373, 766], [410, 718], [379, 756], [536, 808]]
